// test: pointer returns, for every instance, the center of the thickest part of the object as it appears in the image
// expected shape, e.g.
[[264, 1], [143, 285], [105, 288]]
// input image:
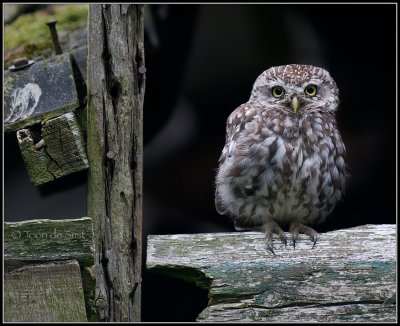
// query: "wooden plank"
[[48, 240], [40, 92], [50, 292], [54, 151], [350, 275]]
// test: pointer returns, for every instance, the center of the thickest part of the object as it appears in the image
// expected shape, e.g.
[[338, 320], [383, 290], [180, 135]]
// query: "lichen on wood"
[[115, 148], [56, 149], [48, 240], [350, 275]]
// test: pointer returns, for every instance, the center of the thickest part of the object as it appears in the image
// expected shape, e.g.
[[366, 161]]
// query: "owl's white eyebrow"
[[314, 81]]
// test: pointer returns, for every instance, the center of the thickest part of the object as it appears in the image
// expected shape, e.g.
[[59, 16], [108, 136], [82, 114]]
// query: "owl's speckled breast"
[[288, 169]]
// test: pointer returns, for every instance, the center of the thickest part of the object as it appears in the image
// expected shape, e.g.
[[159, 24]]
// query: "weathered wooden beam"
[[40, 102], [40, 92], [48, 240], [56, 150], [350, 275], [115, 147], [50, 292], [89, 288]]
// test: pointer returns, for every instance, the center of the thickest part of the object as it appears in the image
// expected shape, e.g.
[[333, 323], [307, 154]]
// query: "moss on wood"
[[29, 35], [48, 240], [350, 275]]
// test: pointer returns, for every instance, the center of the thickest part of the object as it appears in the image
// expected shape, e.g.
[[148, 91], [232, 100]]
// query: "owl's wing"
[[221, 209], [235, 124]]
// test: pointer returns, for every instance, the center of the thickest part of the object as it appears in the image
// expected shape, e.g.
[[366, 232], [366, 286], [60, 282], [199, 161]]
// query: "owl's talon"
[[296, 228], [270, 229], [314, 239], [271, 249]]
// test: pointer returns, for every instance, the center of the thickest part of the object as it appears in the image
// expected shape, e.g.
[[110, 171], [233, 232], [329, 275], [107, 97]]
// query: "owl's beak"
[[294, 104]]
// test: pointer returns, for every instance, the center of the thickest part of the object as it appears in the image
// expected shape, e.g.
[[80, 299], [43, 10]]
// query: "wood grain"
[[350, 275], [115, 153], [47, 240], [49, 292]]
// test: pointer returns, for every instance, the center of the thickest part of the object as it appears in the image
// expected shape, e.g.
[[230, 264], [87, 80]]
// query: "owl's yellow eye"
[[311, 90], [278, 91]]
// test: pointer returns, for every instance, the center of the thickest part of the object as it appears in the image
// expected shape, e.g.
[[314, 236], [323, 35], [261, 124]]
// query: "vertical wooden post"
[[115, 105]]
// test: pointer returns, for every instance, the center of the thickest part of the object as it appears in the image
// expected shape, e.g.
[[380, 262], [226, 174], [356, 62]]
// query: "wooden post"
[[115, 102]]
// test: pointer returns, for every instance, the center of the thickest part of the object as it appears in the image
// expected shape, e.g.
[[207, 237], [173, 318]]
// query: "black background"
[[202, 67]]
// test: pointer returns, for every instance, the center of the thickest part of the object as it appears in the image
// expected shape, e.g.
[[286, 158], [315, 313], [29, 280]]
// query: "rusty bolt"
[[18, 62], [54, 36], [110, 155]]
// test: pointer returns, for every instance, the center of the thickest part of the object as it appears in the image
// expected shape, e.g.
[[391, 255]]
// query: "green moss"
[[29, 35]]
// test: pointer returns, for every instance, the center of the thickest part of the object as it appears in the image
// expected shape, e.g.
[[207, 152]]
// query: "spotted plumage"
[[283, 160]]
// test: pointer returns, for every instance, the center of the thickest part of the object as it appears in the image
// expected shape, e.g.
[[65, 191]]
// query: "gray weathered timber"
[[114, 131], [48, 240], [54, 152], [349, 276], [89, 287], [40, 92], [50, 292]]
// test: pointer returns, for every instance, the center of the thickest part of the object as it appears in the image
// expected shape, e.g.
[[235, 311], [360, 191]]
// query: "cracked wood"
[[54, 149], [115, 104], [350, 275]]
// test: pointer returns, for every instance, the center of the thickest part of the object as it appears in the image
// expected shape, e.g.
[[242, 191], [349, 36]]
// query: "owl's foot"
[[270, 229], [296, 228]]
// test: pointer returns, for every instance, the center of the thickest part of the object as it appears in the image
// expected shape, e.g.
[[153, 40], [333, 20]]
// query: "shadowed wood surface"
[[350, 275], [50, 292]]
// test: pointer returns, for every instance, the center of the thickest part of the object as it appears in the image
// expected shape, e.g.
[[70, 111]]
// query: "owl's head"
[[296, 88]]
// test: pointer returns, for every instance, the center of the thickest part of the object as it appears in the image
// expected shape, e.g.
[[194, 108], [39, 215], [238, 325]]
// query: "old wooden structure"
[[89, 269], [48, 271], [115, 152], [43, 104], [350, 275], [51, 265]]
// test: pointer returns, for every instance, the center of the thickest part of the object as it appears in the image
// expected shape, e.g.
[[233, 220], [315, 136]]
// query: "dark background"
[[202, 61]]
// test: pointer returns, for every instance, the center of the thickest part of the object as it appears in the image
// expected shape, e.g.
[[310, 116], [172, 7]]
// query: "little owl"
[[283, 160]]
